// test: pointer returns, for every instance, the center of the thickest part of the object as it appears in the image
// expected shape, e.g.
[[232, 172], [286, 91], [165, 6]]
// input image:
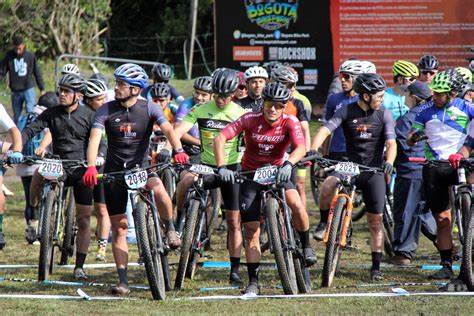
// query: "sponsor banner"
[[384, 31], [293, 32]]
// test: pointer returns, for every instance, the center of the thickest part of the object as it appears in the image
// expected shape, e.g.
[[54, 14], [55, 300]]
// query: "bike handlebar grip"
[[100, 176], [309, 158], [417, 159]]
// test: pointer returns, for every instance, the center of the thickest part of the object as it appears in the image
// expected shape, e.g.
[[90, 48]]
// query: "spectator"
[[21, 65]]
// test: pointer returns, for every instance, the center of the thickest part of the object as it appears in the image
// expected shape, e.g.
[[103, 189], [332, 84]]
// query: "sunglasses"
[[65, 91], [121, 84], [428, 72], [409, 79], [345, 76], [224, 96], [277, 105], [161, 100]]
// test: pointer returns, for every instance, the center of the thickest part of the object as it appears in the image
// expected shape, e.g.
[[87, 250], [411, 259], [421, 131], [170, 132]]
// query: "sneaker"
[[456, 285], [79, 274], [100, 253], [120, 289], [309, 256], [235, 279], [252, 289], [376, 275], [446, 272], [399, 260], [320, 231], [3, 242], [173, 239], [6, 191], [30, 234]]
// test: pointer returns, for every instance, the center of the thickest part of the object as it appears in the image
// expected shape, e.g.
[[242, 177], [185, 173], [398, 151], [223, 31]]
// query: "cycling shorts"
[[250, 199], [436, 182], [230, 192], [98, 192], [82, 193]]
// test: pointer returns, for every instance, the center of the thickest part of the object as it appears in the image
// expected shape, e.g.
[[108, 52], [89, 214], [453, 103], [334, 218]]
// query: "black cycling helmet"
[[48, 100], [369, 83], [161, 72], [271, 66], [455, 80], [428, 62], [225, 81], [276, 92], [73, 81], [203, 83], [160, 90]]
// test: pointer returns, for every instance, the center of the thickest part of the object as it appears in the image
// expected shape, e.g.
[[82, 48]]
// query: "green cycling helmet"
[[443, 82], [465, 73]]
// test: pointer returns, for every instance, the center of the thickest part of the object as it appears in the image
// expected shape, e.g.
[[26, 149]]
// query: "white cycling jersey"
[[6, 123]]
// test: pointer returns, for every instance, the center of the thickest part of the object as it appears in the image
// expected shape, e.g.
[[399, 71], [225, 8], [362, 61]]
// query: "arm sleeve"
[[192, 116], [296, 133], [38, 75], [36, 127], [100, 117], [389, 125], [5, 120], [183, 109], [235, 128], [302, 113], [156, 113], [336, 119]]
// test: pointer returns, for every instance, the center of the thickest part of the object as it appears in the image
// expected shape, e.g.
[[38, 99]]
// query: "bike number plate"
[[51, 169], [160, 146], [347, 169], [265, 175], [136, 180], [201, 169]]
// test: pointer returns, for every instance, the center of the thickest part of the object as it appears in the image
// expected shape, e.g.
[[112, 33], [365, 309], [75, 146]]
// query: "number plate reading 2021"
[[347, 169], [51, 169], [201, 169], [265, 175], [136, 180]]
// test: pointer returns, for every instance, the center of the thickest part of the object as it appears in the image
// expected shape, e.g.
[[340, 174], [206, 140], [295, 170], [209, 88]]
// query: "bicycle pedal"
[[351, 248]]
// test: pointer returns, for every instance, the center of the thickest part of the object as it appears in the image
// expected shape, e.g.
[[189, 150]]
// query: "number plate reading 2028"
[[265, 175], [347, 169], [136, 180], [51, 169]]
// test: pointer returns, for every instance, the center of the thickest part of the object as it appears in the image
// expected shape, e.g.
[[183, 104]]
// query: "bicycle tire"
[[151, 257], [187, 242], [333, 249], [314, 184], [388, 234], [166, 272], [468, 222], [303, 279], [46, 236], [283, 257], [168, 181], [359, 214], [192, 265], [67, 247]]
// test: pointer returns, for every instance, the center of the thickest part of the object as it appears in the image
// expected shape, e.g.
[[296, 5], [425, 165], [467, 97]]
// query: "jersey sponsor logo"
[[270, 14], [266, 146], [212, 124], [268, 138], [259, 128], [434, 116], [126, 129], [117, 120]]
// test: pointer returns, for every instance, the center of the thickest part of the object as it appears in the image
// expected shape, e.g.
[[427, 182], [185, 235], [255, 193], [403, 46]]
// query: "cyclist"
[[13, 157], [268, 133], [202, 94], [160, 94], [212, 117], [368, 128], [444, 121], [70, 126], [410, 214], [428, 66], [162, 74], [335, 147], [404, 73], [465, 89], [94, 97], [70, 69], [242, 91], [128, 123], [271, 66], [255, 78]]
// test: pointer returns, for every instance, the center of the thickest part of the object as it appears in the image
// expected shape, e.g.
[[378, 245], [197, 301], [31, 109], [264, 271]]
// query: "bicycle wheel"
[[283, 257], [333, 249], [168, 181], [468, 222], [192, 265], [303, 279], [388, 230], [187, 242], [67, 247], [166, 272], [48, 219], [151, 258], [314, 183]]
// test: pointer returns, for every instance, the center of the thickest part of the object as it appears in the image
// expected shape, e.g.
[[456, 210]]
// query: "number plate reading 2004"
[[347, 169], [51, 169], [265, 175], [136, 180]]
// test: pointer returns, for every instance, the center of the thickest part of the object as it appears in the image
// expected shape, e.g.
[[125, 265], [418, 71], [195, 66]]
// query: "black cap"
[[17, 40], [419, 89]]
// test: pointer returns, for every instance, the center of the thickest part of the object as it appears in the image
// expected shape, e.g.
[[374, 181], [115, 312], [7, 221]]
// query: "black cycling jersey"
[[70, 131], [250, 104], [365, 132], [128, 132]]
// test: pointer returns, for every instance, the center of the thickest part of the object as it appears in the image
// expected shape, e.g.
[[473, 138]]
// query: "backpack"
[[33, 143]]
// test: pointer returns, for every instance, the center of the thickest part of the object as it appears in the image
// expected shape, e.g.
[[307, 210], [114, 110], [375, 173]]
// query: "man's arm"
[[179, 131], [321, 135], [93, 147], [219, 145], [188, 138], [391, 151], [172, 136], [307, 136], [16, 138], [35, 128], [45, 142]]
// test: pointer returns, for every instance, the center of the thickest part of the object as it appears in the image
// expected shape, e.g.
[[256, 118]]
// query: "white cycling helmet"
[[70, 69], [368, 67], [353, 67], [95, 87], [285, 75], [255, 72]]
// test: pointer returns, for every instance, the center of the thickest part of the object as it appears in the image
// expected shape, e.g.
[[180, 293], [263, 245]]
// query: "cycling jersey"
[[305, 100], [365, 132], [170, 111], [146, 93], [183, 110], [211, 120], [296, 108], [250, 104], [128, 132], [445, 127], [266, 144], [70, 131], [395, 103], [6, 123], [334, 103]]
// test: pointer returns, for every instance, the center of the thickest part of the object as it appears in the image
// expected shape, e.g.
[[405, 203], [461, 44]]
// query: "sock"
[[446, 256], [234, 264], [169, 224], [324, 216], [80, 258], [102, 243], [123, 276], [1, 223], [304, 236], [376, 258], [253, 268]]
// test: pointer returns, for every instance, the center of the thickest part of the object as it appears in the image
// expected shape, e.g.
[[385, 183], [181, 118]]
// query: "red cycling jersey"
[[265, 144]]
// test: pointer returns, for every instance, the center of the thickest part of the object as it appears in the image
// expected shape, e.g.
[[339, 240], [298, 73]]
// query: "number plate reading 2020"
[[136, 180], [347, 169], [201, 169], [265, 175], [51, 169]]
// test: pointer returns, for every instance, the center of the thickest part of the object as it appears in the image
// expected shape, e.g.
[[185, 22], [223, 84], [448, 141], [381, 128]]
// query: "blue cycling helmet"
[[132, 74]]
